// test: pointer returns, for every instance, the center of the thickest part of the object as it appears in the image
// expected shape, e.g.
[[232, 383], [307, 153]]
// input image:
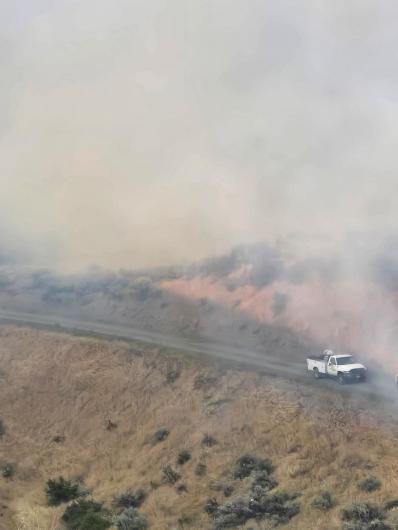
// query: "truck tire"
[[341, 379], [316, 373]]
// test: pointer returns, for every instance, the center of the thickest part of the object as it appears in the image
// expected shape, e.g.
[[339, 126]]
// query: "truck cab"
[[341, 366]]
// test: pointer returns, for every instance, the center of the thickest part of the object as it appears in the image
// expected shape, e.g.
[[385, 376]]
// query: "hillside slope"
[[283, 300], [58, 393], [128, 299]]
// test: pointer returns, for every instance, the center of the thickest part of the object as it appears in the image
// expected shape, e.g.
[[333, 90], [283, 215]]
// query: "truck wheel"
[[316, 373], [341, 379]]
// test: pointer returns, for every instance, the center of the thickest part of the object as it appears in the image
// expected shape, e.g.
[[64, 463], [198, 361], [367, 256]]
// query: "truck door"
[[332, 366]]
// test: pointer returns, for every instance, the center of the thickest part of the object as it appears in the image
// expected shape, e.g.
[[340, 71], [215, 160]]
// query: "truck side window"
[[333, 361]]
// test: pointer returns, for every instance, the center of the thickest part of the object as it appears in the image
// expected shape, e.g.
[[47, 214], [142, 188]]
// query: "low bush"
[[61, 490], [278, 508], [247, 464], [228, 490], [131, 519], [391, 504], [363, 512], [231, 514], [209, 441], [7, 470], [172, 376], [370, 484], [130, 498], [324, 502], [2, 429], [211, 506], [170, 476], [110, 425], [200, 470], [58, 439], [182, 488], [86, 515], [183, 457], [264, 480], [160, 435]]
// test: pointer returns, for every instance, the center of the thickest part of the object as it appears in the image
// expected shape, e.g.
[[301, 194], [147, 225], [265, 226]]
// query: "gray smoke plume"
[[142, 133]]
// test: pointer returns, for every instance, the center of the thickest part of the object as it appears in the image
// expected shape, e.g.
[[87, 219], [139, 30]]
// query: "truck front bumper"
[[355, 375]]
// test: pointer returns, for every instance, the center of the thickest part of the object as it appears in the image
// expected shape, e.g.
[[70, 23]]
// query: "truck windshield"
[[345, 360]]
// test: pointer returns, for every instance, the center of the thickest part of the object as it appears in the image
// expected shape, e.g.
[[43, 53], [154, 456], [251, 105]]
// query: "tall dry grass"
[[55, 384]]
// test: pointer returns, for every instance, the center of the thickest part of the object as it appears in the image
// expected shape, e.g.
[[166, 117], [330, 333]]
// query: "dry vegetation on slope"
[[58, 394]]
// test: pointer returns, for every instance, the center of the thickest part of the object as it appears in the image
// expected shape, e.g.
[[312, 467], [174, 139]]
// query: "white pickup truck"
[[341, 366]]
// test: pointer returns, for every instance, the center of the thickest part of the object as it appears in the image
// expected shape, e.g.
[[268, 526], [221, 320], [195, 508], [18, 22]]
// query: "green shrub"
[[280, 506], [183, 457], [130, 498], [7, 470], [363, 512], [61, 490], [264, 480], [170, 476], [278, 509], [370, 484], [363, 516], [230, 514], [324, 502], [130, 519], [2, 429], [247, 464], [86, 515], [160, 435]]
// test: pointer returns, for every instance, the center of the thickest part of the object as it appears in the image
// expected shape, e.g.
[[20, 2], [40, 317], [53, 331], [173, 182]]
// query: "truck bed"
[[317, 364], [316, 357]]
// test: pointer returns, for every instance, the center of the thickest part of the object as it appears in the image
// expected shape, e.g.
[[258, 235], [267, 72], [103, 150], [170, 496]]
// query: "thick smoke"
[[143, 133]]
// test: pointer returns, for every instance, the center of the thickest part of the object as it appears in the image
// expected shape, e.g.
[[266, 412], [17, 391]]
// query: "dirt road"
[[380, 385]]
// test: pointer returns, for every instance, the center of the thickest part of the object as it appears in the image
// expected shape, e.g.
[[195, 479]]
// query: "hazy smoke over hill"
[[139, 133]]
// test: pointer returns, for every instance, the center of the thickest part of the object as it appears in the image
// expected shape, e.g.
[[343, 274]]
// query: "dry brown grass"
[[56, 384], [38, 519]]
